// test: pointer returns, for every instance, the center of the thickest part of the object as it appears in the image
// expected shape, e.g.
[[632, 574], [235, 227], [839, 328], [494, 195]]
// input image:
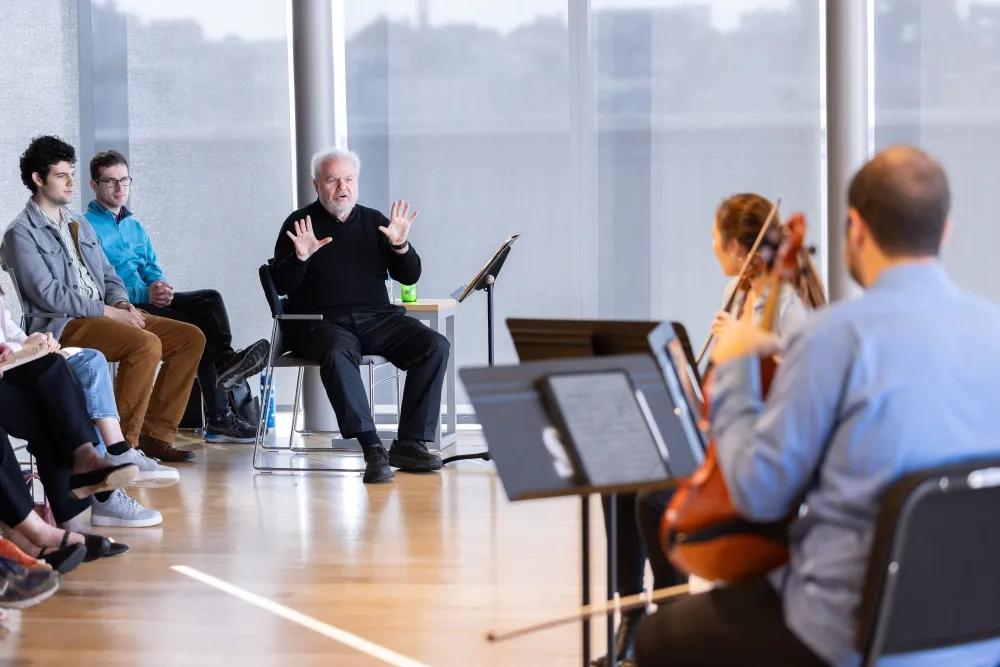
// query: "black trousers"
[[738, 626], [338, 345], [638, 522], [206, 310], [42, 402]]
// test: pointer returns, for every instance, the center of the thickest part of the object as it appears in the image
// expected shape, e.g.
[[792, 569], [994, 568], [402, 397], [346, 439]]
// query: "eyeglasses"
[[111, 182]]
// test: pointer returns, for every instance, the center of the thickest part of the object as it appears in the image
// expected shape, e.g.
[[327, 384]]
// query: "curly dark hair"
[[41, 154]]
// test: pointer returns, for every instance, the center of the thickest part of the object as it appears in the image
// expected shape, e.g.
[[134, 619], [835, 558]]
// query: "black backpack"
[[241, 401]]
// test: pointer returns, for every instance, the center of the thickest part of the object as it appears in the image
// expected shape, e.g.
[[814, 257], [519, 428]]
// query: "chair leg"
[[295, 405], [371, 390], [399, 396]]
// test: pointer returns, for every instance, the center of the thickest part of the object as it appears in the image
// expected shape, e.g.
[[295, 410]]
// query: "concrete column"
[[319, 123], [847, 114]]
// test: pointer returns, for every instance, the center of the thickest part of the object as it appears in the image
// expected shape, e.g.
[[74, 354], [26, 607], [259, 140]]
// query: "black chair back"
[[934, 574], [274, 301]]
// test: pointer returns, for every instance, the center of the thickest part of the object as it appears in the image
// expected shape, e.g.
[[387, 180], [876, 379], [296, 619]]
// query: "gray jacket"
[[45, 276]]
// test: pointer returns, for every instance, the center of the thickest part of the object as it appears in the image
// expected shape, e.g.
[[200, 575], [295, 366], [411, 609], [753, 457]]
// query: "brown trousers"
[[155, 410]]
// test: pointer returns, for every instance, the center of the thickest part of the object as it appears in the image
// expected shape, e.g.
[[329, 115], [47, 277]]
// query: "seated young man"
[[61, 269], [828, 431], [339, 271], [131, 253]]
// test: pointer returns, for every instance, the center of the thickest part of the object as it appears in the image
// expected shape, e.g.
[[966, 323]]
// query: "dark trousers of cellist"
[[869, 389]]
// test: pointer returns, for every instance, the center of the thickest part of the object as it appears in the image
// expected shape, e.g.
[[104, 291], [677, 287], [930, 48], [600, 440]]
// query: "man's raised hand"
[[399, 222], [305, 241]]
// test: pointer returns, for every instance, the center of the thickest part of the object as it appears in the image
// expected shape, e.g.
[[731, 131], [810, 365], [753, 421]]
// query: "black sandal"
[[96, 546], [67, 557], [111, 478], [114, 549]]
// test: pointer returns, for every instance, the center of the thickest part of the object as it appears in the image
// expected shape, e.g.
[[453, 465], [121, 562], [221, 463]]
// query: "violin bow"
[[743, 270], [622, 604]]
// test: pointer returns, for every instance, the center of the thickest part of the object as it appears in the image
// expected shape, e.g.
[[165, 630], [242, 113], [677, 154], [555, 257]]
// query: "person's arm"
[[37, 284], [149, 270], [114, 286], [403, 264], [287, 268], [769, 450], [14, 336], [138, 294]]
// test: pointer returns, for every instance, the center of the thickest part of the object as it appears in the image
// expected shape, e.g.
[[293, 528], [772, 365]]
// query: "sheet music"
[[26, 355], [607, 428]]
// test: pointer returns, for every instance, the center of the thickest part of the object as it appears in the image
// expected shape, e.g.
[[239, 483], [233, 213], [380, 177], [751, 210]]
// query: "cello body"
[[703, 534]]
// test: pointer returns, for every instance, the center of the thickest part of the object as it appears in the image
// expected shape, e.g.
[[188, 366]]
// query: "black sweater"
[[347, 275]]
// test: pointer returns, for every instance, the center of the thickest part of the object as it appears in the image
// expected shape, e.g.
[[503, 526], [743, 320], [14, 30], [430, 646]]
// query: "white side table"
[[438, 312]]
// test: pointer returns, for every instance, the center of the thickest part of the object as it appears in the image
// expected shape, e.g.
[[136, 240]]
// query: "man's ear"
[[857, 229], [946, 232], [37, 178], [316, 185]]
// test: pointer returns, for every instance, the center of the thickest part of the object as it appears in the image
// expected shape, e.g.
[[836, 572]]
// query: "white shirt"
[[11, 334]]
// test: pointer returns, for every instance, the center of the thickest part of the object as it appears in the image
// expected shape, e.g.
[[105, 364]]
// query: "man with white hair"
[[331, 258]]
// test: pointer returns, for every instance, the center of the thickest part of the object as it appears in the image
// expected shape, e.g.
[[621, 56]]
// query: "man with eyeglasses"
[[131, 253]]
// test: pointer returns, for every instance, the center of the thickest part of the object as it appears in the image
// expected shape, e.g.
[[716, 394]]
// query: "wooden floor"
[[422, 567]]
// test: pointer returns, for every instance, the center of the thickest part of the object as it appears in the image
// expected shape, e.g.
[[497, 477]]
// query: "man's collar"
[[920, 273], [40, 218], [123, 212]]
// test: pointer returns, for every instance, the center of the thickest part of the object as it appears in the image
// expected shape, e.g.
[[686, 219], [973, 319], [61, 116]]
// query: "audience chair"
[[933, 579], [280, 357]]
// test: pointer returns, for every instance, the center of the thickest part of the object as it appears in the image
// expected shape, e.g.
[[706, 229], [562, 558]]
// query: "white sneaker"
[[121, 511], [151, 473]]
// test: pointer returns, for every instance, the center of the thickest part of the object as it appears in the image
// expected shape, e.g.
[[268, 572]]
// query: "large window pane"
[[39, 79], [937, 85], [209, 136], [699, 100], [464, 108]]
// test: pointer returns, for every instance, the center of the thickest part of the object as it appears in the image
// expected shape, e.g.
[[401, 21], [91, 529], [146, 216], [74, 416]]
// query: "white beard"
[[339, 210]]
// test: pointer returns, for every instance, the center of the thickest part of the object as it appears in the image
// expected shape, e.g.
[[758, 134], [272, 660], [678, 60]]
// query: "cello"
[[701, 532]]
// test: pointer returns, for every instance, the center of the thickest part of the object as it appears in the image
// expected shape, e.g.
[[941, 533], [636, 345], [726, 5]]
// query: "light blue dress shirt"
[[901, 379]]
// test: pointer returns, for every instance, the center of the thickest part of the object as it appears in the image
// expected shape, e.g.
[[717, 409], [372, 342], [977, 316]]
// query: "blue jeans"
[[91, 370]]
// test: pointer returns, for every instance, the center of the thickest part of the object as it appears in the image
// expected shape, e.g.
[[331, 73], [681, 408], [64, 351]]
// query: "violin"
[[701, 532]]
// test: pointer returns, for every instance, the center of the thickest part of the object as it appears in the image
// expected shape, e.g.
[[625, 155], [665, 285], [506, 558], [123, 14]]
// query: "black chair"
[[934, 573], [280, 357]]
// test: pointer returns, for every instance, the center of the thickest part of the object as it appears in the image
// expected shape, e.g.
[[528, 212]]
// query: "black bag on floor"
[[241, 401]]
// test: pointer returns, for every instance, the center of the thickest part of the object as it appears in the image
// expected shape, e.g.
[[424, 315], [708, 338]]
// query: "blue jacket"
[[128, 248]]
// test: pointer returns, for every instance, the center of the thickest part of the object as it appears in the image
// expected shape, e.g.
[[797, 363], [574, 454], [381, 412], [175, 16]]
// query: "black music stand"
[[484, 280], [536, 339], [519, 429]]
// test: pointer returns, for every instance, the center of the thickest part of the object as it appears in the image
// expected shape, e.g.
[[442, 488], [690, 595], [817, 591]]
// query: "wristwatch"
[[400, 246]]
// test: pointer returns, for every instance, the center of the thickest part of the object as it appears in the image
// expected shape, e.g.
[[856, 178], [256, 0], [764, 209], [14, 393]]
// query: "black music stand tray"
[[484, 280], [518, 427]]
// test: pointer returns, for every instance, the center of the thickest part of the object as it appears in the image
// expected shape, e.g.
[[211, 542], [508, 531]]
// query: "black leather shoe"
[[377, 470], [624, 644], [412, 456]]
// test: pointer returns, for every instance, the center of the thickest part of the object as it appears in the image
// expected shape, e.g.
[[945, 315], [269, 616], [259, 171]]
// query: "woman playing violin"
[[738, 223]]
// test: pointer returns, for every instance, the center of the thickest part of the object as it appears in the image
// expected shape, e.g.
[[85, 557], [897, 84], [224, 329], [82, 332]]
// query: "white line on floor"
[[342, 636]]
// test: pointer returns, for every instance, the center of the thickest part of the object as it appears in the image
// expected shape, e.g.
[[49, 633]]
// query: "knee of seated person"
[[193, 337], [149, 346], [214, 296], [341, 357], [95, 359], [440, 345]]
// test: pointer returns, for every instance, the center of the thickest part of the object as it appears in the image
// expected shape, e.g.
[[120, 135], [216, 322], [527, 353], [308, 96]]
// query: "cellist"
[[738, 223], [901, 379]]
